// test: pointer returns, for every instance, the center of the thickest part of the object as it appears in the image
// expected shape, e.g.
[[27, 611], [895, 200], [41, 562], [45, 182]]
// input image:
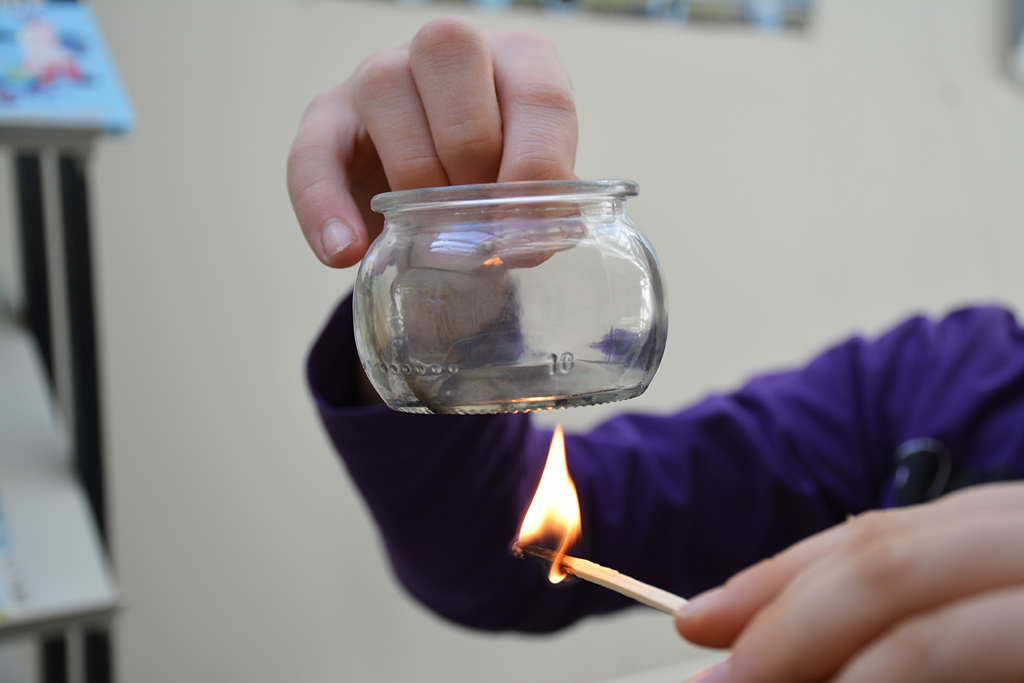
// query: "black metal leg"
[[84, 384], [33, 254], [85, 374], [81, 308], [98, 657]]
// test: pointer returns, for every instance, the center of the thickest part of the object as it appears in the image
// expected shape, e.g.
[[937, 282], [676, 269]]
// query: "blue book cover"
[[55, 70]]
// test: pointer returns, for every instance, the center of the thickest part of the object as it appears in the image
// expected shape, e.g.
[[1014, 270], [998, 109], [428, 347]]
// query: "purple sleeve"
[[681, 501]]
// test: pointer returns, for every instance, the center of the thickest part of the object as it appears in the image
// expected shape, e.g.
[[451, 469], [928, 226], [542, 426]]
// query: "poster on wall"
[[762, 14], [55, 70]]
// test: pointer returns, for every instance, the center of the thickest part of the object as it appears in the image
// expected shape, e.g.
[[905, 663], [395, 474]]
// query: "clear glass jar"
[[509, 297]]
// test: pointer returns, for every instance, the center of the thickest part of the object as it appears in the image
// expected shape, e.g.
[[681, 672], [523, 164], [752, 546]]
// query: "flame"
[[554, 513]]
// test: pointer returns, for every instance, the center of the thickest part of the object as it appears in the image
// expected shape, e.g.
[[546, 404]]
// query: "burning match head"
[[523, 551], [609, 578], [554, 563]]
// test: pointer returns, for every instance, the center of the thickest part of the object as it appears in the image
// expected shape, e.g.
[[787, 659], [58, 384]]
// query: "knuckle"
[[307, 192], [322, 114], [866, 528], [537, 166], [448, 36], [381, 72], [415, 168], [881, 556], [914, 644], [545, 155], [473, 140], [319, 102], [526, 44], [552, 97], [301, 157], [530, 39]]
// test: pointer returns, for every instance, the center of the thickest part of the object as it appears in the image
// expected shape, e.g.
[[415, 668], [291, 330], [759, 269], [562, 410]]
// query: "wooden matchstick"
[[649, 595]]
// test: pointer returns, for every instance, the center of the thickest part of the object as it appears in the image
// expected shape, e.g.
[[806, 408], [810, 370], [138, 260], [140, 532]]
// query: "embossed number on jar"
[[560, 365]]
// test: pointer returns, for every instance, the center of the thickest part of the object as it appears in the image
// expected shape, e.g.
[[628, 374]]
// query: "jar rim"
[[492, 193]]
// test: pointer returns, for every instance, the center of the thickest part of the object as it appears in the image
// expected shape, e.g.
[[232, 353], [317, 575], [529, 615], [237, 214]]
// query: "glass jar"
[[509, 297]]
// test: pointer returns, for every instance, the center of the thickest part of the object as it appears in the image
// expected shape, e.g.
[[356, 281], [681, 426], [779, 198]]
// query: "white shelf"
[[54, 573]]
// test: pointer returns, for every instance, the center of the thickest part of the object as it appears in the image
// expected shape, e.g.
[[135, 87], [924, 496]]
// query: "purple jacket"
[[683, 500]]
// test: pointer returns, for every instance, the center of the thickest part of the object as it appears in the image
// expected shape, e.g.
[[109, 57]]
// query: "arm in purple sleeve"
[[683, 500]]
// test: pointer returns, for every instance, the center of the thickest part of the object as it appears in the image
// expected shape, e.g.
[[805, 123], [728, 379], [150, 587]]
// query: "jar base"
[[521, 405]]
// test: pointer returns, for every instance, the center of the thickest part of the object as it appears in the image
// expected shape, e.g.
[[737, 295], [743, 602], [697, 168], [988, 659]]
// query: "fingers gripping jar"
[[509, 297]]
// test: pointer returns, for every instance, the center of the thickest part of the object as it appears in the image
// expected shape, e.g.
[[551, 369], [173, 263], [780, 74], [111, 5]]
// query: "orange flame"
[[554, 513]]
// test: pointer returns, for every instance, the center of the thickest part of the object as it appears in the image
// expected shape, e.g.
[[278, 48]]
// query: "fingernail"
[[719, 673], [336, 237], [699, 604]]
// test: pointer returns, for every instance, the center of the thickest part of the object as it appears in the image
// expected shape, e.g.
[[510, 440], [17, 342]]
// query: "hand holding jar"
[[456, 105]]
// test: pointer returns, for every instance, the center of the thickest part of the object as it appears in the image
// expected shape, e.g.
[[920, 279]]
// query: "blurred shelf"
[[53, 570]]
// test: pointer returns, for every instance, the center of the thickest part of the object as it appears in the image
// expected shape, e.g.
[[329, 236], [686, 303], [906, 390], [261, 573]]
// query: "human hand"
[[929, 593], [456, 105]]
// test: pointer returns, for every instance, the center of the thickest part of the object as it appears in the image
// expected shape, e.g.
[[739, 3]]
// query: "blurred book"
[[55, 70]]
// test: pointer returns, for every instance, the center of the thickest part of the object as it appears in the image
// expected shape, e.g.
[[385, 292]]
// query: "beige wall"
[[797, 188]]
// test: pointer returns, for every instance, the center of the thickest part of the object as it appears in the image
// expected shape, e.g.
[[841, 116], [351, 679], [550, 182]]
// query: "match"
[[659, 599]]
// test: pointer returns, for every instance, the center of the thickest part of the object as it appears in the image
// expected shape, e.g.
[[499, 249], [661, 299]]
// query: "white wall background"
[[798, 188]]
